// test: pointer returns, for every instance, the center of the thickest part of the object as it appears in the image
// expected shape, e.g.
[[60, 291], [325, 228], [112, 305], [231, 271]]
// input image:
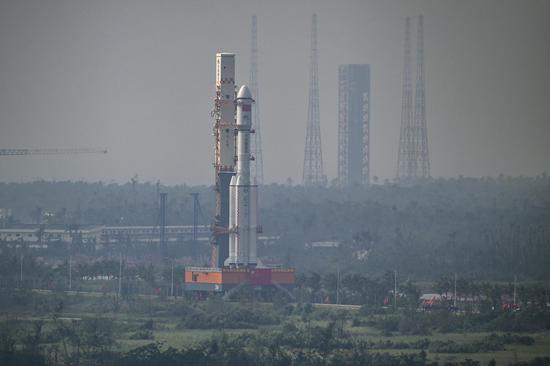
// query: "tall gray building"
[[353, 125]]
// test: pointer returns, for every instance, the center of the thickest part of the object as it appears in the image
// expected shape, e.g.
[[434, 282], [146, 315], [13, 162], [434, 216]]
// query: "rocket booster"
[[243, 196]]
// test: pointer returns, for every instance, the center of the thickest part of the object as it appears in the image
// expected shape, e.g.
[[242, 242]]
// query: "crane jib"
[[11, 152]]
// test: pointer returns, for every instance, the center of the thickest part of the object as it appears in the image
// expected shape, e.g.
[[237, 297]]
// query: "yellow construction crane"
[[13, 152]]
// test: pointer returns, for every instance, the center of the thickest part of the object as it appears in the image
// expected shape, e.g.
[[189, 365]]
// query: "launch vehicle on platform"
[[234, 254], [243, 196]]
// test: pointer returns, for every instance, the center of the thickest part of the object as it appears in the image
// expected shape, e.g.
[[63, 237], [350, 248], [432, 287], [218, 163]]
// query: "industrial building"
[[354, 125], [43, 235], [235, 259], [102, 235]]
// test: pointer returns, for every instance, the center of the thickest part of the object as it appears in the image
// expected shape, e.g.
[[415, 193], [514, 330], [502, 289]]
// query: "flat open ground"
[[166, 330]]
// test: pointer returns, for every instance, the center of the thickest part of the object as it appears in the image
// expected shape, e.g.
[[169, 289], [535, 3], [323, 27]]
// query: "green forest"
[[364, 257], [482, 228]]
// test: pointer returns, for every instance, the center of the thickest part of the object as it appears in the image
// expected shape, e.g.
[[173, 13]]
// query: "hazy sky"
[[137, 77]]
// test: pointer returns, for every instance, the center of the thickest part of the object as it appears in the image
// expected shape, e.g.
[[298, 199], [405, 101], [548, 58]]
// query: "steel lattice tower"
[[423, 157], [343, 130], [256, 167], [406, 163], [413, 158], [313, 157]]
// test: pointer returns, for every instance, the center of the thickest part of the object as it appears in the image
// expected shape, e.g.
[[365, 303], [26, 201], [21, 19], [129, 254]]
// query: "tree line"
[[484, 228]]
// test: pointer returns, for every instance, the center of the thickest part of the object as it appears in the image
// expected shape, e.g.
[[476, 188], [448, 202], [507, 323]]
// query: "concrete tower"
[[353, 124]]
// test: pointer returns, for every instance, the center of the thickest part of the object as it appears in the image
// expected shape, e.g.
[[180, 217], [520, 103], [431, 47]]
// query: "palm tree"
[[40, 233], [443, 286], [36, 215]]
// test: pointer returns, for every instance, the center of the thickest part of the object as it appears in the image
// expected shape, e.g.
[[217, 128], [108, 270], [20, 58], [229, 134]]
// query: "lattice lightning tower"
[[406, 163], [423, 157], [257, 169], [313, 157], [413, 160]]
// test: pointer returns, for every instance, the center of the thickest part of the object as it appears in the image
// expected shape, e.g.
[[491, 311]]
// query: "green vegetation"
[[63, 329], [483, 228], [413, 239]]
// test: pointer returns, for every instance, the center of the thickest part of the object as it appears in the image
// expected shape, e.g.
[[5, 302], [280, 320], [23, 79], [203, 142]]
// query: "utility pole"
[[21, 269], [172, 280], [71, 260], [338, 285], [395, 289], [120, 274], [515, 285], [454, 297], [70, 272], [195, 214], [163, 249]]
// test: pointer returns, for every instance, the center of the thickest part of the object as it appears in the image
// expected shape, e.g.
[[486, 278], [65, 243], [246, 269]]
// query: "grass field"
[[170, 336], [165, 330]]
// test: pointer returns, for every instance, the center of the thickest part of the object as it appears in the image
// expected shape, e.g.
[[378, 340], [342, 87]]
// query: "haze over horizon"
[[137, 78]]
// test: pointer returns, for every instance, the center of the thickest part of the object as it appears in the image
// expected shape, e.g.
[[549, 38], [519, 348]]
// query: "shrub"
[[236, 317], [148, 325], [414, 325], [142, 334], [387, 323]]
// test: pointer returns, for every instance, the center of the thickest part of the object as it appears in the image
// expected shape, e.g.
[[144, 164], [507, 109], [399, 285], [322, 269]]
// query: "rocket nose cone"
[[244, 93]]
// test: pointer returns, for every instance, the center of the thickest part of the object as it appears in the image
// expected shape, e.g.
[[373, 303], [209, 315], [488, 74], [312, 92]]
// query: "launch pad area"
[[234, 259], [205, 279]]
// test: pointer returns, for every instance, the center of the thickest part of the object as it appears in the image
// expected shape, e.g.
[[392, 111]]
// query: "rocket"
[[243, 196]]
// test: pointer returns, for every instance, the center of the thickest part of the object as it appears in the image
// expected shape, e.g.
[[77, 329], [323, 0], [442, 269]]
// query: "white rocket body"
[[243, 196]]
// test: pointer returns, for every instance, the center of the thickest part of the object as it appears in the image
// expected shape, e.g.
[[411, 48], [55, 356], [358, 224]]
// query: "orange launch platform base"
[[225, 278]]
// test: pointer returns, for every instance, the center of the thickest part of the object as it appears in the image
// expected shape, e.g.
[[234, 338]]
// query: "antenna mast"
[[313, 157], [257, 169]]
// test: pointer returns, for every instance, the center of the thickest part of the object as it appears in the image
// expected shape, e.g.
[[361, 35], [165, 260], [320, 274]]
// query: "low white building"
[[323, 244], [55, 233]]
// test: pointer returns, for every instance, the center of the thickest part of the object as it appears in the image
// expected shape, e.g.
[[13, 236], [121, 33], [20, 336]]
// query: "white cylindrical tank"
[[243, 219], [232, 223], [253, 233]]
